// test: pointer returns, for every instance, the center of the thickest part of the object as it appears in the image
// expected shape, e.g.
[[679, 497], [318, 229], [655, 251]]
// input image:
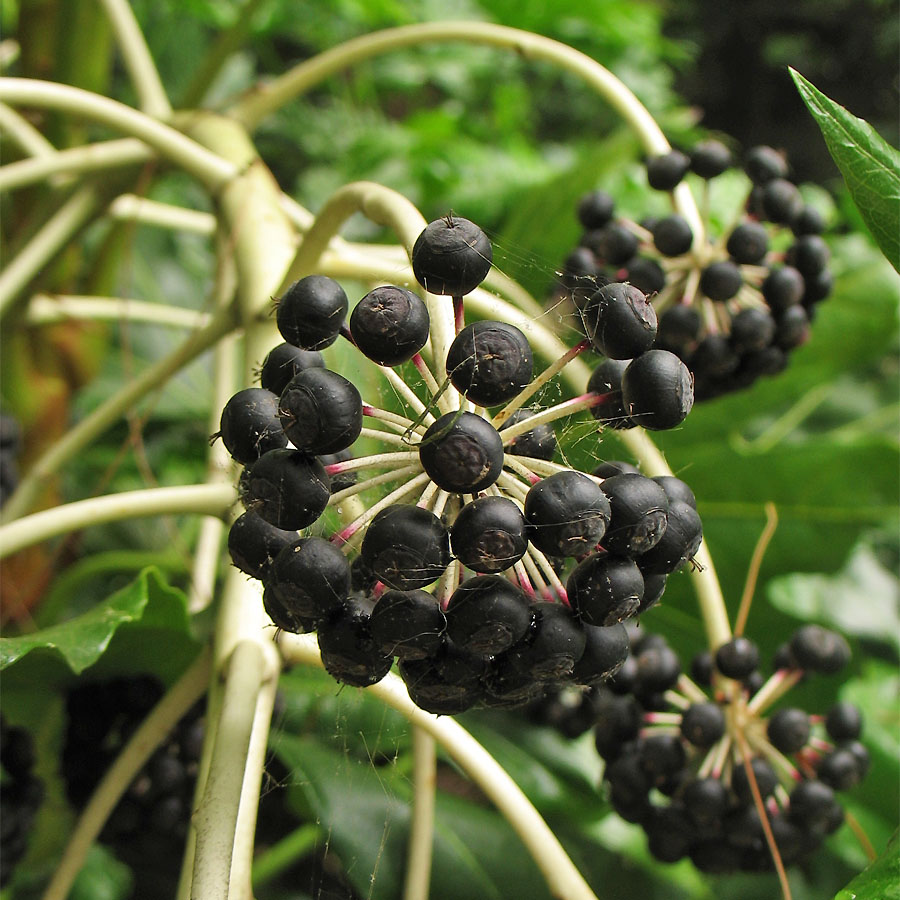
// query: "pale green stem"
[[136, 56], [270, 97], [92, 426], [563, 879], [215, 818], [198, 499], [130, 208], [9, 53], [29, 139], [151, 733], [95, 157], [219, 467], [47, 309], [53, 235], [210, 169], [384, 207], [421, 834]]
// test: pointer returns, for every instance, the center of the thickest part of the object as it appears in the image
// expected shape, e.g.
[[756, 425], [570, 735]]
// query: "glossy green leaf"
[[862, 599], [880, 881], [148, 605], [870, 166]]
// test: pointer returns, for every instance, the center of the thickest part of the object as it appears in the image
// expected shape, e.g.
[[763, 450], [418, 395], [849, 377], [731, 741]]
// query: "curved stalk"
[[210, 169], [563, 879], [421, 835], [46, 243], [136, 56], [109, 412], [268, 98], [95, 157], [201, 499], [29, 139], [131, 208], [47, 309], [384, 207], [151, 733]]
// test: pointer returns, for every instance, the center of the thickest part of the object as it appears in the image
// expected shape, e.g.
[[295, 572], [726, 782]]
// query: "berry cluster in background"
[[487, 569], [732, 305], [676, 748]]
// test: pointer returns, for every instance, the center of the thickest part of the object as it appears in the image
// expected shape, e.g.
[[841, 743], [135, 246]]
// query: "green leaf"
[[880, 881], [102, 877], [80, 642], [870, 166], [862, 599]]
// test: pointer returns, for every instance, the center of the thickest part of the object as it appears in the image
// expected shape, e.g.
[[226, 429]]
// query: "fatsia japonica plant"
[[364, 552]]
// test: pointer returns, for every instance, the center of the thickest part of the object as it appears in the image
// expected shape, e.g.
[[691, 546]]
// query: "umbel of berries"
[[697, 759], [732, 305], [432, 524]]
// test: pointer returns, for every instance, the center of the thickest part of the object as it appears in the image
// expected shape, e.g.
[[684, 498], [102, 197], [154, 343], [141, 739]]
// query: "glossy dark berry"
[[843, 722], [321, 411], [810, 255], [490, 362], [748, 243], [809, 221], [619, 321], [406, 547], [605, 652], [792, 328], [706, 799], [766, 780], [647, 275], [552, 646], [487, 614], [788, 729], [488, 535], [567, 514], [605, 590], [710, 158], [462, 453], [613, 244], [250, 426], [721, 280], [654, 588], [538, 443], [390, 325], [451, 256], [752, 329], [714, 358], [285, 616], [783, 287], [311, 577], [737, 658], [287, 488], [445, 684], [610, 467], [349, 653], [657, 390], [285, 361], [253, 544], [672, 235], [408, 624], [595, 209], [839, 770], [702, 724], [339, 480], [811, 803], [819, 649], [781, 201], [311, 312], [665, 171], [679, 542], [679, 329], [763, 164], [658, 669], [702, 668], [676, 490], [638, 507], [606, 380]]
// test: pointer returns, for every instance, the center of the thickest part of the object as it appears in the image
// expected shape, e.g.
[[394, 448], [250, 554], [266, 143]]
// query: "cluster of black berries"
[[531, 565], [10, 444], [147, 828], [675, 748], [733, 306], [20, 798]]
